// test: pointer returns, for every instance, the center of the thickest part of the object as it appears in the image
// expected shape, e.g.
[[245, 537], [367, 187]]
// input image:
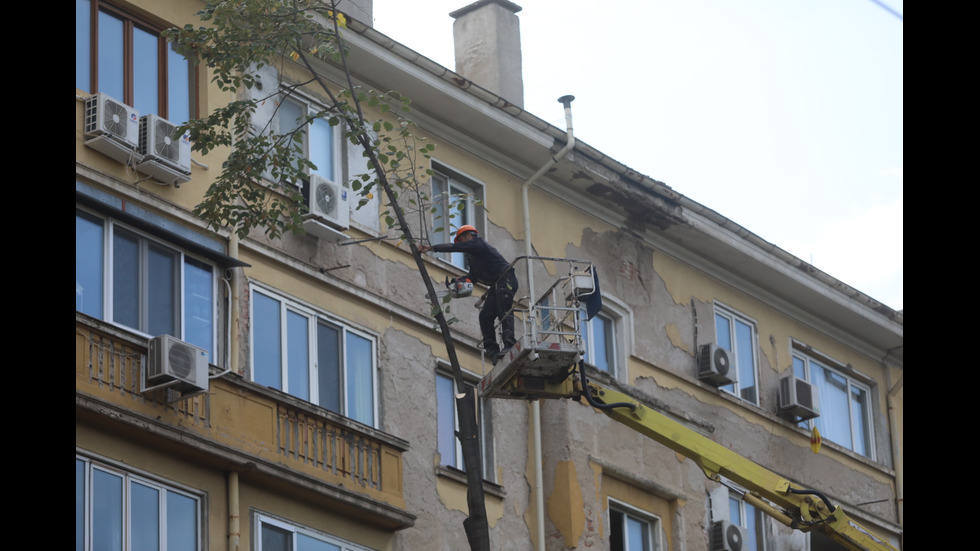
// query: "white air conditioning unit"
[[111, 127], [798, 398], [166, 154], [329, 207], [726, 536], [714, 365], [175, 364]]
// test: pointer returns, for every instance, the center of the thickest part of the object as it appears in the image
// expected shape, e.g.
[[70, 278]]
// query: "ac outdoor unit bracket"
[[313, 226], [173, 395]]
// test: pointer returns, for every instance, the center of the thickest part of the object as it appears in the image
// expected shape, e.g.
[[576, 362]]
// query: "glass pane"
[[734, 511], [753, 529], [111, 68], [162, 303], [723, 334], [307, 543], [602, 343], [638, 534], [199, 305], [181, 522], [107, 512], [298, 354], [89, 265], [360, 379], [616, 529], [328, 367], [275, 539], [144, 518], [746, 360], [79, 505], [321, 148], [126, 280], [146, 72], [446, 406], [267, 341], [834, 422], [83, 45], [178, 87], [440, 223], [860, 415], [799, 368]]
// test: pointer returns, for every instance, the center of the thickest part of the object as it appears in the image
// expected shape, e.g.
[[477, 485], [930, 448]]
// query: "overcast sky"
[[784, 116]]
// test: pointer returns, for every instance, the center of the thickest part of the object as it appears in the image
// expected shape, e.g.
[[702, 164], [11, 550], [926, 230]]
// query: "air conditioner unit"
[[798, 398], [111, 127], [175, 364], [726, 536], [166, 154], [328, 201], [714, 365]]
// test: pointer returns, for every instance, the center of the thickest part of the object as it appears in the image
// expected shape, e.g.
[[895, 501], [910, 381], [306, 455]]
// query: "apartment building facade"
[[324, 416]]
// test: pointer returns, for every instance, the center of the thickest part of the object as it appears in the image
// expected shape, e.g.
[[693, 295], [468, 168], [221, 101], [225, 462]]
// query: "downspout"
[[536, 404], [234, 516], [897, 452]]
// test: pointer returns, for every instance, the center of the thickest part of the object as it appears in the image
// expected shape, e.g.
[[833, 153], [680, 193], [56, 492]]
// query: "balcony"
[[238, 425]]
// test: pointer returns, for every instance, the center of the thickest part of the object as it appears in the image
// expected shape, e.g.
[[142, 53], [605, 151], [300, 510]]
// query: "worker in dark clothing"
[[488, 267]]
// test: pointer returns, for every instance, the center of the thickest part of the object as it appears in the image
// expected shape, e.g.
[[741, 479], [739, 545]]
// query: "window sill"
[[456, 475]]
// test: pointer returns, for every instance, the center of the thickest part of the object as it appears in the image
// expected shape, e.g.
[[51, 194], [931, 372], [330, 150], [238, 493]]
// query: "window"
[[737, 335], [320, 142], [116, 510], [845, 405], [456, 203], [311, 356], [750, 519], [126, 58], [450, 452], [631, 529], [599, 337], [278, 535], [125, 277]]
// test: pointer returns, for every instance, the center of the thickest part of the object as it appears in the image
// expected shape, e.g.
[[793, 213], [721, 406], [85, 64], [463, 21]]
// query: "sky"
[[785, 116]]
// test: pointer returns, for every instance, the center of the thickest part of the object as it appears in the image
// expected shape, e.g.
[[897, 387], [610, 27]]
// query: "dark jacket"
[[486, 264]]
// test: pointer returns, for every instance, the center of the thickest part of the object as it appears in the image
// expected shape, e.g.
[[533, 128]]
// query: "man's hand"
[[423, 248]]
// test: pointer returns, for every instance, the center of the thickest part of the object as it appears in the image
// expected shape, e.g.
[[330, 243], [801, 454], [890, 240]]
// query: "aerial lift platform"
[[547, 363]]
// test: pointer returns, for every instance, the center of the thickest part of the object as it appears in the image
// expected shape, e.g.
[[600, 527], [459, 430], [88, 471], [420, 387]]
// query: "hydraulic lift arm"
[[796, 507]]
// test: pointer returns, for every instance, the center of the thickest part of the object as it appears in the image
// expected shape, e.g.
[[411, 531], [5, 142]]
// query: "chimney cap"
[[480, 3]]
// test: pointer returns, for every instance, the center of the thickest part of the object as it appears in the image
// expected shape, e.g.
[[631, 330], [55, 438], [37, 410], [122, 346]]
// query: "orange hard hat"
[[464, 229]]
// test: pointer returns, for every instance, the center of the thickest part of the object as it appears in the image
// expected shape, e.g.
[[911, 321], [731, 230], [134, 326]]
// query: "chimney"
[[361, 10], [488, 47]]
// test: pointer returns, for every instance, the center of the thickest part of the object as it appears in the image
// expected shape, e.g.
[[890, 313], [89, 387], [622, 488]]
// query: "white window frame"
[[296, 531], [746, 510], [181, 312], [802, 368], [457, 184], [445, 402], [617, 316], [310, 107], [629, 512], [313, 318], [736, 354], [86, 498]]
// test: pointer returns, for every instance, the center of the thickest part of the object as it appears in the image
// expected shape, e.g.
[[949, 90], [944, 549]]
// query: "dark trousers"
[[497, 305]]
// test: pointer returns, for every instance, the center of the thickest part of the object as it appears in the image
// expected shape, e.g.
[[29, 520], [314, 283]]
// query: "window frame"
[[261, 519], [442, 203], [314, 319], [310, 106], [484, 420], [804, 359], [629, 512], [167, 75], [617, 318], [734, 318], [85, 496], [183, 314], [745, 511]]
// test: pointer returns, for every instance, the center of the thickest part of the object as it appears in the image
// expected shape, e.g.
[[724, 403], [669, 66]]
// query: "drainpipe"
[[234, 517], [897, 451], [536, 404]]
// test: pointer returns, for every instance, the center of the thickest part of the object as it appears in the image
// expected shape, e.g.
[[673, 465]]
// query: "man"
[[488, 267]]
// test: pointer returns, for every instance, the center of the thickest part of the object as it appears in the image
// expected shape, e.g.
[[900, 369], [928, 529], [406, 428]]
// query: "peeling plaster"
[[565, 506]]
